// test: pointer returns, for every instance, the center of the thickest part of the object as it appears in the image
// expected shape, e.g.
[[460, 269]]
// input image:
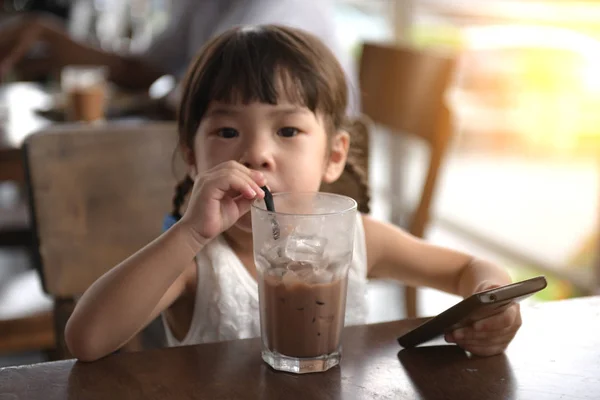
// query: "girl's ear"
[[338, 155]]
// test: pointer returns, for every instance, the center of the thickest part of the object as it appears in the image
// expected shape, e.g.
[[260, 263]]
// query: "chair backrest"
[[98, 194], [403, 90]]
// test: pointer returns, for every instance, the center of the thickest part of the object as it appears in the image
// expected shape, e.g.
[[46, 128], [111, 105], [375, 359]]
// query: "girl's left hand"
[[488, 336]]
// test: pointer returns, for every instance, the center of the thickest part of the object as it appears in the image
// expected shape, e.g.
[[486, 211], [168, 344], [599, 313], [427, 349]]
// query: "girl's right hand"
[[220, 197]]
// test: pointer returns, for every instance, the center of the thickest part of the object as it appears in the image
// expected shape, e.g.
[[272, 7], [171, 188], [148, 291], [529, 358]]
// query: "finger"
[[235, 195], [257, 176], [248, 188], [243, 205], [472, 334], [219, 186], [230, 184], [500, 344], [469, 333], [503, 339], [251, 181], [485, 351], [499, 321], [231, 165]]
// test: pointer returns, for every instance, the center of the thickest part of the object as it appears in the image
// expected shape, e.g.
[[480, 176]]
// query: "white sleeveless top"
[[226, 306]]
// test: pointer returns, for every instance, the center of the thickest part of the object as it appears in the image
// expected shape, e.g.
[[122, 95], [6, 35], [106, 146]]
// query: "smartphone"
[[475, 307]]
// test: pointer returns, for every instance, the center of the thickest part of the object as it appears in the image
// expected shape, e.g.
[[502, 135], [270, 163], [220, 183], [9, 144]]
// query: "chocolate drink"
[[300, 318]]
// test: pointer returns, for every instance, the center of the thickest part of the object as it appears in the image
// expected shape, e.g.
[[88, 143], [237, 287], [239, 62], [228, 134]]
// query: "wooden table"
[[556, 355]]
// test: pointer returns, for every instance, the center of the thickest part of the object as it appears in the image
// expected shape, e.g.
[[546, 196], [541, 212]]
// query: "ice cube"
[[275, 255], [302, 270], [272, 262], [290, 278], [305, 248], [322, 276], [277, 271], [299, 266]]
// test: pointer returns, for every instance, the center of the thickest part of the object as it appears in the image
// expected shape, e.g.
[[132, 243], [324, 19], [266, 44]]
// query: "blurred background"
[[520, 183]]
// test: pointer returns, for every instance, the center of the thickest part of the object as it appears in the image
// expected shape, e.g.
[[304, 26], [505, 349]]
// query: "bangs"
[[269, 65], [252, 67], [269, 86]]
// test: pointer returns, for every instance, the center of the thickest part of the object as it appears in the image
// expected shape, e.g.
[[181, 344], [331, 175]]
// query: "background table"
[[20, 106], [556, 355]]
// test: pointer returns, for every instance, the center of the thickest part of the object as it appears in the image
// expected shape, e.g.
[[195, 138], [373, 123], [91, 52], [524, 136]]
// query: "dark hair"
[[248, 64]]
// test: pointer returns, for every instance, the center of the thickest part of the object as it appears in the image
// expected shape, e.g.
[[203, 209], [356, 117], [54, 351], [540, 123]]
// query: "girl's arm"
[[22, 34], [394, 254], [128, 297]]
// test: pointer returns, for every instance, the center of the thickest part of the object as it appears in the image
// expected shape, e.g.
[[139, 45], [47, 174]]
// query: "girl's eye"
[[227, 133], [288, 131]]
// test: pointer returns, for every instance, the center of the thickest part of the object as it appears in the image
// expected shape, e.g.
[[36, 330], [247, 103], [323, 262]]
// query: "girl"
[[261, 106]]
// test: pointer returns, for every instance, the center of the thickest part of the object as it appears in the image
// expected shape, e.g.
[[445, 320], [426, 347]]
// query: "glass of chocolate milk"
[[85, 90], [303, 252]]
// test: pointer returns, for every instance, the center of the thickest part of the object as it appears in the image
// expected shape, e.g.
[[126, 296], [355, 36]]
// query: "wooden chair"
[[97, 195], [26, 324], [26, 321], [14, 224], [403, 90]]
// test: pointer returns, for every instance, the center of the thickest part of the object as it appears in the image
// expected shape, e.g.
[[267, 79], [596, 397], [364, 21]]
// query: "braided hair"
[[363, 197], [181, 191]]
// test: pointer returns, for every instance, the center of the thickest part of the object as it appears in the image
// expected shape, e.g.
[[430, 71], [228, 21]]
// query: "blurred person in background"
[[35, 45], [59, 8]]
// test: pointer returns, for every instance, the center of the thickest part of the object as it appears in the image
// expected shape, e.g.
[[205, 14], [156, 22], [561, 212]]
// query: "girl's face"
[[286, 142]]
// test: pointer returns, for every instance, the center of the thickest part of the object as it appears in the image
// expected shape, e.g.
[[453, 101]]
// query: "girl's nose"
[[258, 155], [264, 165]]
